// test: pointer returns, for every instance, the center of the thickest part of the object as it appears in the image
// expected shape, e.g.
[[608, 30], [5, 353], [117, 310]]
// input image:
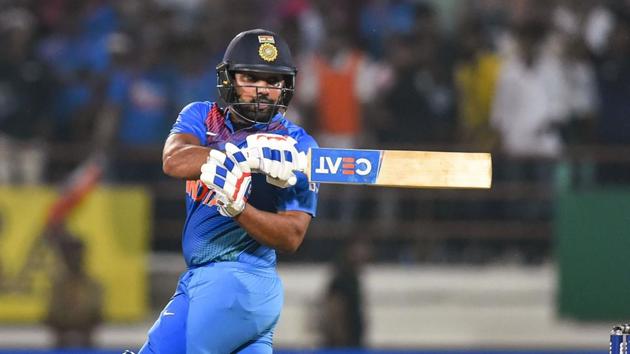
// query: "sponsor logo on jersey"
[[199, 192]]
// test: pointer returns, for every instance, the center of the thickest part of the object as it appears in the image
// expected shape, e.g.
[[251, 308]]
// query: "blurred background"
[[90, 227]]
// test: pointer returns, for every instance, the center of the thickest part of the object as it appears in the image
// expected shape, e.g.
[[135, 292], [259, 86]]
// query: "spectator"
[[195, 78], [335, 83], [494, 15], [26, 88], [613, 78], [475, 77], [75, 307], [141, 95], [383, 19], [598, 25], [139, 101], [571, 29], [582, 102], [77, 50], [340, 79], [417, 108], [343, 321], [530, 108], [79, 42], [530, 101], [306, 19]]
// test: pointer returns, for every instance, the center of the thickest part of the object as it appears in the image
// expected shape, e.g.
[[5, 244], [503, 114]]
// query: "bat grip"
[[302, 164], [253, 161]]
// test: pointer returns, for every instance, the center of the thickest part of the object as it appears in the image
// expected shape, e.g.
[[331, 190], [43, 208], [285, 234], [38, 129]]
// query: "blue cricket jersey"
[[210, 237]]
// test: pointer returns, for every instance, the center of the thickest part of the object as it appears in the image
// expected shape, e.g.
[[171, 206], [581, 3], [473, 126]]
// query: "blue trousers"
[[219, 308]]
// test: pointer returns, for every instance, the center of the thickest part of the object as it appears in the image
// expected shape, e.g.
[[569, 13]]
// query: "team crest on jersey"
[[268, 52]]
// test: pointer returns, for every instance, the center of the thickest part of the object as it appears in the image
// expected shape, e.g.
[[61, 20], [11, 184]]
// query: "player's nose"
[[262, 87]]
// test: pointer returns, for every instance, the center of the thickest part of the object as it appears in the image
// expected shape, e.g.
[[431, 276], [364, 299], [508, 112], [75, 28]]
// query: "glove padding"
[[229, 176], [275, 156]]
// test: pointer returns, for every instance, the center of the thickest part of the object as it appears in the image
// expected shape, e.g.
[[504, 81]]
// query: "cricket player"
[[245, 200]]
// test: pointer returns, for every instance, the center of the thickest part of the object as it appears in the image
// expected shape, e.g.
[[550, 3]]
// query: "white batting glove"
[[275, 156], [229, 176]]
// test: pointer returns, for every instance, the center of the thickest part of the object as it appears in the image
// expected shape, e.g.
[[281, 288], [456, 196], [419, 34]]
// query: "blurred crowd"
[[521, 77], [527, 80], [524, 79]]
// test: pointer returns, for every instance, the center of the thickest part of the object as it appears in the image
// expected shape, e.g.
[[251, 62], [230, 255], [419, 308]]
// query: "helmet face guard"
[[259, 110], [256, 51]]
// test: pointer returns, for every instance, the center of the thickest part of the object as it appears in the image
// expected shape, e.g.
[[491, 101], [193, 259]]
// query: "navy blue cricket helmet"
[[256, 51]]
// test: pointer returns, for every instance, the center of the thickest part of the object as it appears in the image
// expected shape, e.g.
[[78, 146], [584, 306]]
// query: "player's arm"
[[283, 231], [183, 156], [229, 175]]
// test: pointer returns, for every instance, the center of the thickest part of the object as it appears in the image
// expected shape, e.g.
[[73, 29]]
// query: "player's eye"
[[275, 82]]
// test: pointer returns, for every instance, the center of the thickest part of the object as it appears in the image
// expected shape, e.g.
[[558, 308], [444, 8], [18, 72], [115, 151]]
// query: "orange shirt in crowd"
[[339, 107]]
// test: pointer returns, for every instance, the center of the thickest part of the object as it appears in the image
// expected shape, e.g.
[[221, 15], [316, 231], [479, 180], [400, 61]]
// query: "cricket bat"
[[398, 168]]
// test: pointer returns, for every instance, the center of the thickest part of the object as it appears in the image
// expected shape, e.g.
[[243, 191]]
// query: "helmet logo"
[[268, 52]]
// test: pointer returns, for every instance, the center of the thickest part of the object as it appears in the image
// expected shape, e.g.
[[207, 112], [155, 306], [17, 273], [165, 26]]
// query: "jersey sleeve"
[[302, 196], [191, 120]]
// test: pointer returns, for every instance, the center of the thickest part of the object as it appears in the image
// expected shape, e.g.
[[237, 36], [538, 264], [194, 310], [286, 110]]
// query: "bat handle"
[[302, 164], [253, 161]]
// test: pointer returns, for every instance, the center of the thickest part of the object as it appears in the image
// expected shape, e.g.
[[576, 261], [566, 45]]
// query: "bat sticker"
[[345, 166]]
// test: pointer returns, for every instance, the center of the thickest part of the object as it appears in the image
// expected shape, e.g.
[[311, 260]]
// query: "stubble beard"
[[253, 110]]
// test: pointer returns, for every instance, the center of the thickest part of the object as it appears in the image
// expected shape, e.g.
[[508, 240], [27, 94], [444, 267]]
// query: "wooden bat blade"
[[435, 169], [397, 168]]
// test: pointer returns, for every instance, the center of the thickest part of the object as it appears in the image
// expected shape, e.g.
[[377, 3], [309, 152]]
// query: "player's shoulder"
[[198, 108], [195, 117], [303, 138]]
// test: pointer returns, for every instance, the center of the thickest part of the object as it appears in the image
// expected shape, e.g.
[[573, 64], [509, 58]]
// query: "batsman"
[[245, 200]]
